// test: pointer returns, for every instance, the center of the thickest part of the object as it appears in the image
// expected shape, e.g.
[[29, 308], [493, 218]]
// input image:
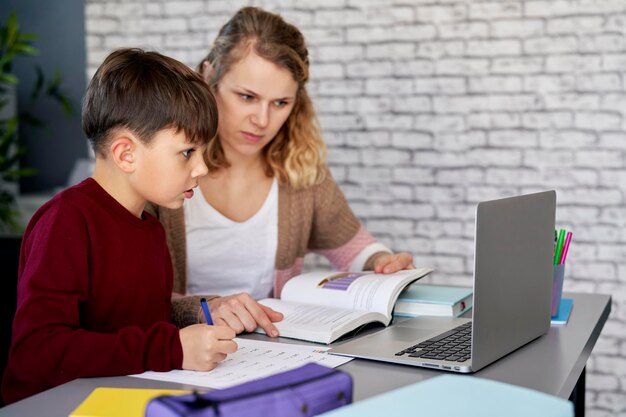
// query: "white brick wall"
[[429, 106]]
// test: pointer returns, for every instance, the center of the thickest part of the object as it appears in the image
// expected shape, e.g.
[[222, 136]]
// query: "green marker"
[[559, 247]]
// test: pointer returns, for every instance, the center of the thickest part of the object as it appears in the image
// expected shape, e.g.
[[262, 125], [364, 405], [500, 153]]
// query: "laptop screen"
[[512, 273]]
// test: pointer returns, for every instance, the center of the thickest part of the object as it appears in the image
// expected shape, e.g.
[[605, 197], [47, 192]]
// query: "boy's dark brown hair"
[[146, 92]]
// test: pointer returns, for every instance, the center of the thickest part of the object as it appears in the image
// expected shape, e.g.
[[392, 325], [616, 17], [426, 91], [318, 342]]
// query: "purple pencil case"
[[305, 391]]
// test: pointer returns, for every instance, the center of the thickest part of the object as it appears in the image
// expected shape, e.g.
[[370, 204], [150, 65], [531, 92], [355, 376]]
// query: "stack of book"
[[433, 300]]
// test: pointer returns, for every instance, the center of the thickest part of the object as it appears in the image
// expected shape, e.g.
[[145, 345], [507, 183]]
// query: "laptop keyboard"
[[453, 345]]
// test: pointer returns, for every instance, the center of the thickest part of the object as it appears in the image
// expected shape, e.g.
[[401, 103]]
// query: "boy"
[[95, 275]]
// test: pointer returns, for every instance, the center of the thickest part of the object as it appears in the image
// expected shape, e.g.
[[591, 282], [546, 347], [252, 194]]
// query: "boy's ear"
[[123, 153]]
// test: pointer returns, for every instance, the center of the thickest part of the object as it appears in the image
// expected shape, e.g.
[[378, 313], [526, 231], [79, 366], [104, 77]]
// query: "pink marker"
[[568, 238]]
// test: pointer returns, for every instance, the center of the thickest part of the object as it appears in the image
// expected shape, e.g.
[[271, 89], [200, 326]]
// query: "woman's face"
[[254, 99]]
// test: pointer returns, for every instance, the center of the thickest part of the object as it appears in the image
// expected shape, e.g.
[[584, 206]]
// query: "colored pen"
[[568, 239], [559, 247], [207, 313]]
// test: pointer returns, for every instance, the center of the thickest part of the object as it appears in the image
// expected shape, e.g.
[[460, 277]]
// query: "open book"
[[323, 306]]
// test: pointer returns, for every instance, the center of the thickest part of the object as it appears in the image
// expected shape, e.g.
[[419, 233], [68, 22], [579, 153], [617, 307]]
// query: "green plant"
[[14, 43]]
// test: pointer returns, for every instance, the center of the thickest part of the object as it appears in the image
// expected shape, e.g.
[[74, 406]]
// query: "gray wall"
[[60, 25], [429, 106]]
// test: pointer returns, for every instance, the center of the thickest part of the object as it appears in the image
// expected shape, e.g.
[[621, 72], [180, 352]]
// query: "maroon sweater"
[[93, 295]]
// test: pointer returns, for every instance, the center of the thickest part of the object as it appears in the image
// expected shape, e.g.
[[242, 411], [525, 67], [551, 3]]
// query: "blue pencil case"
[[309, 390]]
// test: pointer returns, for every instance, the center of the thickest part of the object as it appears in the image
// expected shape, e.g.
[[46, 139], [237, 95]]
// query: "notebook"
[[433, 300], [565, 308], [513, 254], [473, 397], [119, 402]]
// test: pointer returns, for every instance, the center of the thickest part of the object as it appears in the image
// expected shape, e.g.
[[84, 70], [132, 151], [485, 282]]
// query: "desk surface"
[[551, 364]]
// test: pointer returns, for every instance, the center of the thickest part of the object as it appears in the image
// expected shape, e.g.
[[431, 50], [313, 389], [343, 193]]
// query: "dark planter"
[[9, 260]]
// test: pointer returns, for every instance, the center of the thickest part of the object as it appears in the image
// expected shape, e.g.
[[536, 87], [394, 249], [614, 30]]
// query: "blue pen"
[[207, 313]]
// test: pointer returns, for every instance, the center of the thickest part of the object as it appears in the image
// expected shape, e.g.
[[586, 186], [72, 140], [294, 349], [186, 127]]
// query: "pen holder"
[[557, 287]]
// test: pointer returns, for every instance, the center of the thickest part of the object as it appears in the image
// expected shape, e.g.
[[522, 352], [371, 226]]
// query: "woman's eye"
[[246, 97], [280, 103]]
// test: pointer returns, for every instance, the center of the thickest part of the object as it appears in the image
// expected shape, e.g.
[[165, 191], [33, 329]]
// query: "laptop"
[[513, 263]]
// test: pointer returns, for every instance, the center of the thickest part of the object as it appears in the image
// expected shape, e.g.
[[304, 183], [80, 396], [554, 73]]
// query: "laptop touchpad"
[[408, 334]]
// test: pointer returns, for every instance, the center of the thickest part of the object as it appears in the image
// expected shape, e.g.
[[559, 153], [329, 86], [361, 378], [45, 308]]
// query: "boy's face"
[[168, 168]]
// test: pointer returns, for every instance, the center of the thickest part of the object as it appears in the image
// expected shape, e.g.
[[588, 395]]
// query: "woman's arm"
[[339, 235], [239, 311]]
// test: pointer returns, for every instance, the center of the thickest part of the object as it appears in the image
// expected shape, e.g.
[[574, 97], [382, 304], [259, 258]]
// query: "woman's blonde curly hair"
[[296, 156]]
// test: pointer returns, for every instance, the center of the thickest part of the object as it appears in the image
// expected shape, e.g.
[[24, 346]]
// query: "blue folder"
[[459, 396]]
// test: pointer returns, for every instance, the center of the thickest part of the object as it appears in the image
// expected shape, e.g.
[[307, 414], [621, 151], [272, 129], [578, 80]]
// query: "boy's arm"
[[51, 344]]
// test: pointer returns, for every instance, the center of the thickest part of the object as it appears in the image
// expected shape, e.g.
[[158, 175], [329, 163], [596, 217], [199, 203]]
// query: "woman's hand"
[[242, 312], [393, 262]]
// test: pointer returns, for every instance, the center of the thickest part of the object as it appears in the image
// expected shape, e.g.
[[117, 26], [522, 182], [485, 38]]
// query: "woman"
[[268, 198]]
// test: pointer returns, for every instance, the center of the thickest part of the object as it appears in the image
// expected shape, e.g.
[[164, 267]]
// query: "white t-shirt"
[[225, 257]]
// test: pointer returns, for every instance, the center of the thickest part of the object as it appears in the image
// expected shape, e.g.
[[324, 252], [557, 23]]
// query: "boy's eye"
[[187, 153]]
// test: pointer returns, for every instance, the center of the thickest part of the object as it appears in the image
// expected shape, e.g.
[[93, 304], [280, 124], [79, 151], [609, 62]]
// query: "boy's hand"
[[391, 263], [242, 312], [206, 346]]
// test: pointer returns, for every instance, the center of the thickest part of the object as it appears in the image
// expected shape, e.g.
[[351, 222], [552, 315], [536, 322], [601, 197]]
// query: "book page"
[[317, 323], [253, 359], [351, 290]]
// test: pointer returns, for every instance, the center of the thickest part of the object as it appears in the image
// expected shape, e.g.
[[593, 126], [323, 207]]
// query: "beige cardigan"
[[313, 219]]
